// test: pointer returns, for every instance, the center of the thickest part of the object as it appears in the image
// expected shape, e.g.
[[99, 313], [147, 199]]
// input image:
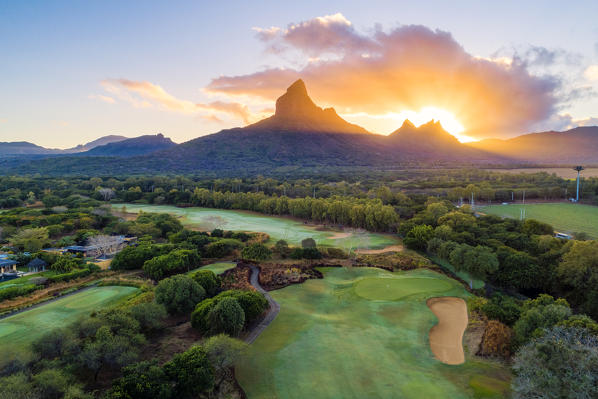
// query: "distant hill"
[[95, 143], [575, 146], [132, 147], [23, 148]]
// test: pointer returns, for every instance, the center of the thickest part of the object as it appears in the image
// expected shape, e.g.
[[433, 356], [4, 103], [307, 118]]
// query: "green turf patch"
[[392, 289], [217, 268], [23, 328], [564, 217], [328, 341], [278, 228]]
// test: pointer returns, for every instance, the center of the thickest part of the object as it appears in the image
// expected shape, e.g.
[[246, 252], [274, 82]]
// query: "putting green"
[[328, 341], [217, 268], [278, 228], [23, 328], [392, 289]]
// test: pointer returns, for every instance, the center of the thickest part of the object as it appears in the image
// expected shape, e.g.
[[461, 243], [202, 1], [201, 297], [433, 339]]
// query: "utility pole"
[[578, 169]]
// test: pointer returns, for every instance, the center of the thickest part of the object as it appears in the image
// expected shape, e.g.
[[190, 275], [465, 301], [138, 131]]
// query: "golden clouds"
[[409, 68]]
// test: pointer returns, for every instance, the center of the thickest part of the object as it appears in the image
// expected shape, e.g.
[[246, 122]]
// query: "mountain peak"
[[407, 124], [295, 111]]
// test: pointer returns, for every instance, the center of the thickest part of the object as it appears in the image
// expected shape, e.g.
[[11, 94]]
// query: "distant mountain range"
[[115, 146], [302, 135], [575, 146]]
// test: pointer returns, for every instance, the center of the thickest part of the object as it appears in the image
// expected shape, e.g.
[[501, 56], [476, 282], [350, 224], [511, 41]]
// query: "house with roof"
[[8, 266], [37, 265]]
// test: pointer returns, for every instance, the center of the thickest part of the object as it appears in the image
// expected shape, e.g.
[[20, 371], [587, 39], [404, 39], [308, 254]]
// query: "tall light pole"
[[578, 169]]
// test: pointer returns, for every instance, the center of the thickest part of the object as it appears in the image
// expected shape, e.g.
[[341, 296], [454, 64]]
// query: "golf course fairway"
[[217, 268], [362, 333], [278, 228], [23, 328]]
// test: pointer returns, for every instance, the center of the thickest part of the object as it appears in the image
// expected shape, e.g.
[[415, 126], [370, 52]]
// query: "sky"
[[73, 71]]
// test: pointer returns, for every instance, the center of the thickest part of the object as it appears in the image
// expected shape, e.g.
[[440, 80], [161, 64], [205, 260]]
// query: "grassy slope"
[[563, 217], [21, 329], [276, 227], [328, 342]]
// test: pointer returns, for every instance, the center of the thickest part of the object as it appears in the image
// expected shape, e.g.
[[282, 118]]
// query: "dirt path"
[[446, 337], [272, 310]]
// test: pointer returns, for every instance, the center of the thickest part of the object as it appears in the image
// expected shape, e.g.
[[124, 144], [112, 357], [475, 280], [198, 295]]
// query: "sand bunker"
[[391, 248], [446, 337]]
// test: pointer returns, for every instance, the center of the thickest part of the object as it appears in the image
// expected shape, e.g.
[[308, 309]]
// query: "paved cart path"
[[272, 310]]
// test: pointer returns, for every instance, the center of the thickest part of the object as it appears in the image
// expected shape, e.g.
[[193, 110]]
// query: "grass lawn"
[[362, 333], [217, 268], [564, 217], [25, 279], [20, 330], [277, 228]]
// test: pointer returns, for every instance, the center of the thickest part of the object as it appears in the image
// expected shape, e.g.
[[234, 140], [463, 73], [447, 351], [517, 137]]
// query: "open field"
[[217, 268], [21, 329], [567, 173], [362, 333], [277, 228], [564, 217]]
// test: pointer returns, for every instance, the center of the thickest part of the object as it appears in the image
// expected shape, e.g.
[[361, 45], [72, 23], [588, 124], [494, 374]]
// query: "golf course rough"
[[23, 328], [361, 333], [278, 228]]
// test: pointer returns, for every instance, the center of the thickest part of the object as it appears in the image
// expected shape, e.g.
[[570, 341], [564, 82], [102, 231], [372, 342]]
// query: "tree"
[[106, 193], [52, 384], [179, 294], [532, 226], [578, 272], [107, 245], [31, 240], [479, 262], [17, 386], [281, 247], [192, 372], [107, 350], [227, 317], [308, 243], [418, 237], [143, 380], [256, 252], [150, 315], [563, 363], [175, 261], [64, 264], [538, 314], [223, 351], [208, 280]]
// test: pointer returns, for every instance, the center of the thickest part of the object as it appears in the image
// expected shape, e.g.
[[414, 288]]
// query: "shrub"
[[192, 372], [64, 264], [308, 243], [179, 294], [142, 380], [75, 274], [256, 252], [502, 308], [417, 238], [496, 340], [227, 317], [133, 257], [175, 261], [13, 292], [208, 280], [305, 253], [150, 315]]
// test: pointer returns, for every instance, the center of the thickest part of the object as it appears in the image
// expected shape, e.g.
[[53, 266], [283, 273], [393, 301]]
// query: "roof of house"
[[37, 262], [7, 262]]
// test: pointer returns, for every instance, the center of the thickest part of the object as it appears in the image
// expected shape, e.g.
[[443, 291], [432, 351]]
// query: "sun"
[[389, 122]]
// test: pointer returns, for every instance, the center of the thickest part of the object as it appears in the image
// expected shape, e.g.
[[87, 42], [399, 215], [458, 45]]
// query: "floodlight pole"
[[578, 169]]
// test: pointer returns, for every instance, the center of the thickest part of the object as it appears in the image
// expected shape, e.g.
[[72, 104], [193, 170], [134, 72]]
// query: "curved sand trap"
[[390, 248], [446, 337]]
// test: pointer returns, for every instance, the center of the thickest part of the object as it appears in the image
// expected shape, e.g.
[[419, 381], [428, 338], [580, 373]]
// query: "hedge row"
[[69, 276], [13, 292]]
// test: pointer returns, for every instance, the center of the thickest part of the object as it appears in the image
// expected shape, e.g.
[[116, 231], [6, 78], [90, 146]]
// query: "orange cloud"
[[407, 68], [146, 94]]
